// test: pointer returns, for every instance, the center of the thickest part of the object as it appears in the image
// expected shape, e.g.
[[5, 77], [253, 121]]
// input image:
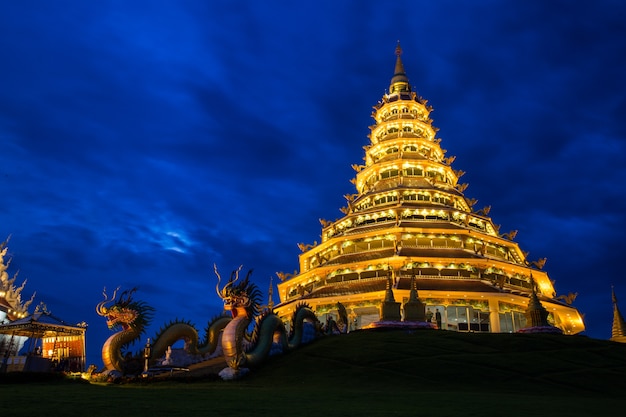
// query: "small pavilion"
[[51, 344]]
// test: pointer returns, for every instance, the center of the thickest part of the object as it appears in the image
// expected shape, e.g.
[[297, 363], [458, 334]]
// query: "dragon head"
[[239, 296], [124, 312]]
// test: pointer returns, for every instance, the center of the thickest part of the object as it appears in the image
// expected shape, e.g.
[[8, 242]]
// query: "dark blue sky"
[[143, 143]]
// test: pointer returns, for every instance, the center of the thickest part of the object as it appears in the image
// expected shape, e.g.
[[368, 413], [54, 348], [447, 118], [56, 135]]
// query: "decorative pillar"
[[494, 316]]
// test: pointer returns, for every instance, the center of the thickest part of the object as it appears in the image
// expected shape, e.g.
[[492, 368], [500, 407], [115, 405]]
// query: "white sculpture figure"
[[168, 356]]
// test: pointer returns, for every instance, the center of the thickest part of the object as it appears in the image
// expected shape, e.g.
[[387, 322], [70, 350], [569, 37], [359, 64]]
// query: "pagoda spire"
[[618, 332], [399, 82], [413, 297], [389, 291], [270, 298]]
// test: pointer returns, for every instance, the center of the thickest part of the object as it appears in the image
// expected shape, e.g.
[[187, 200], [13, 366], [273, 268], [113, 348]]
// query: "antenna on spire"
[[270, 300], [398, 49]]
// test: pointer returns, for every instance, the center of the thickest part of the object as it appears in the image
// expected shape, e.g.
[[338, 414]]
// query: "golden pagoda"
[[409, 227]]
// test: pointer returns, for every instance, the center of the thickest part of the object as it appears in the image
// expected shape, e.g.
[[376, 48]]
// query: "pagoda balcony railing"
[[401, 155], [400, 134], [380, 248], [396, 116], [407, 204], [382, 275], [404, 181], [357, 256], [457, 245], [439, 277], [368, 227], [339, 280], [416, 222]]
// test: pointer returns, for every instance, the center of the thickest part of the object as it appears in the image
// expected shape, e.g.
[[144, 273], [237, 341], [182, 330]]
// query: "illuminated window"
[[441, 199], [389, 173], [386, 199], [465, 319], [512, 321], [392, 150], [413, 171], [435, 174]]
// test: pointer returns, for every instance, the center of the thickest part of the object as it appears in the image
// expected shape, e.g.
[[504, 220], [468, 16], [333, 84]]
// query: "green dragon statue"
[[134, 316], [247, 349]]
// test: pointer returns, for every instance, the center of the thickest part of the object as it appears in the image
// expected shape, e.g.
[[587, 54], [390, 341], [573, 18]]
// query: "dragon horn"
[[234, 277], [100, 308], [219, 279], [235, 274]]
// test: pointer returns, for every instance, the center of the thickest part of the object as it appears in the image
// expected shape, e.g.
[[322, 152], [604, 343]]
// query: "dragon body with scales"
[[132, 317], [247, 349], [241, 348]]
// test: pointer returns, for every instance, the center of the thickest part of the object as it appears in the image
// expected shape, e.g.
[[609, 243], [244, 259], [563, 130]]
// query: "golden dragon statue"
[[241, 348], [244, 349], [133, 317]]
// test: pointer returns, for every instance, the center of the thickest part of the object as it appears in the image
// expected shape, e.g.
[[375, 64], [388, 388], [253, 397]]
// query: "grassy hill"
[[375, 373]]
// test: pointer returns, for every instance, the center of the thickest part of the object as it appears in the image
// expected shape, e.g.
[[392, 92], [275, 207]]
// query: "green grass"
[[370, 373]]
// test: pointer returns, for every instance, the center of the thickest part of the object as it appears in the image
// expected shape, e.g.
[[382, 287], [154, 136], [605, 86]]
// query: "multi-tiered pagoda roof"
[[12, 307], [409, 219]]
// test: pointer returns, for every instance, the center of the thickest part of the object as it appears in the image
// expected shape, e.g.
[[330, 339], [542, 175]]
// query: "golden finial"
[[399, 82]]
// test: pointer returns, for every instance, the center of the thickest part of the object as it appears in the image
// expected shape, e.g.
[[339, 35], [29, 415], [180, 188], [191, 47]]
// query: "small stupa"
[[537, 316], [618, 332], [414, 308], [390, 311]]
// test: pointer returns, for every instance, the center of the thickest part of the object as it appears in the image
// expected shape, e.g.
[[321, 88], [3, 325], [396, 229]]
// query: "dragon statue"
[[247, 349], [133, 317], [240, 347]]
